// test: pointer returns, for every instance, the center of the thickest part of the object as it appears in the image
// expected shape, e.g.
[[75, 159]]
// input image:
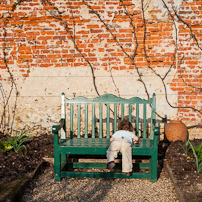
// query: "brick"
[[25, 56], [117, 54], [103, 35], [2, 67], [96, 30], [59, 37], [92, 26], [125, 30], [48, 32], [44, 38], [38, 47]]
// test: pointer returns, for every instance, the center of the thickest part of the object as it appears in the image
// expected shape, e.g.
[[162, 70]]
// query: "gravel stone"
[[44, 188]]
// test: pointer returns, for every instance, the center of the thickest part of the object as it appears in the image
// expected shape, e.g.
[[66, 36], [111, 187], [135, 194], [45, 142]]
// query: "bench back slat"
[[130, 113], [144, 121], [137, 119], [108, 119], [122, 111], [79, 121], [115, 117], [111, 104], [93, 120], [153, 116], [86, 120], [71, 119], [100, 121]]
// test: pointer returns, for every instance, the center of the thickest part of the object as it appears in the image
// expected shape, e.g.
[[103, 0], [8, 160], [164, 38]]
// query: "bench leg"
[[57, 159], [57, 167], [154, 167], [63, 158]]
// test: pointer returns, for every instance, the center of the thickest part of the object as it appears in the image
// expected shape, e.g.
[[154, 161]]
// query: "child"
[[121, 141]]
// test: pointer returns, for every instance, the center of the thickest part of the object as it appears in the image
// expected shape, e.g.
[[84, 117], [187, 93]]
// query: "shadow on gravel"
[[162, 148]]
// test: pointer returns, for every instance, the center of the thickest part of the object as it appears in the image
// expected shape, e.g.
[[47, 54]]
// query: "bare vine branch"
[[59, 17], [195, 87], [134, 32], [176, 39], [13, 84], [115, 38], [189, 26]]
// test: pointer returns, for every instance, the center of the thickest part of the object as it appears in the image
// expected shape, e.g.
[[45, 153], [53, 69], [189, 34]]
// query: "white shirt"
[[124, 134]]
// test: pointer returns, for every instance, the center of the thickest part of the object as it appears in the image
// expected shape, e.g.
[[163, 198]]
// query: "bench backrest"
[[92, 114]]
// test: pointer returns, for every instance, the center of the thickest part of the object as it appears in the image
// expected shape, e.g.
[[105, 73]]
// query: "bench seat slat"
[[147, 151], [99, 146], [103, 165], [92, 142]]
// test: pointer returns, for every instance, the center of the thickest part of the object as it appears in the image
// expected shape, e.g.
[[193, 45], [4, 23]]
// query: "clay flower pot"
[[176, 130]]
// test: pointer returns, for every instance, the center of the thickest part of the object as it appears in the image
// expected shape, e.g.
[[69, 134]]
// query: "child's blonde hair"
[[125, 124]]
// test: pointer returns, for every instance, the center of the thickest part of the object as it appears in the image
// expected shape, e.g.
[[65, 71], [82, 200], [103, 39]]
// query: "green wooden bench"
[[87, 130]]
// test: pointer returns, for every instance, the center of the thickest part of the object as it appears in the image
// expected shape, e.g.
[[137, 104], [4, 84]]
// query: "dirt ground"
[[184, 170], [14, 165]]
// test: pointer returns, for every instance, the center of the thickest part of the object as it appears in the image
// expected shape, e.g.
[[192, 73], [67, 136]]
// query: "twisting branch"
[[114, 37], [146, 57], [200, 88], [147, 5], [145, 52], [59, 17], [134, 32], [188, 25], [112, 76], [176, 40], [107, 27], [13, 84], [16, 4]]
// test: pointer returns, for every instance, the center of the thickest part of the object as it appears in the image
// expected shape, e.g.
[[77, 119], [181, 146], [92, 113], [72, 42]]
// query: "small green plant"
[[17, 142], [186, 148], [198, 150], [5, 145], [198, 156]]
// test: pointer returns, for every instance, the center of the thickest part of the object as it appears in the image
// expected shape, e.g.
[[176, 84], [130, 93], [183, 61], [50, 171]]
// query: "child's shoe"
[[129, 174], [110, 165]]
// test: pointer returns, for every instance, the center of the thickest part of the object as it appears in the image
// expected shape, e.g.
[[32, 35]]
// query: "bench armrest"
[[56, 128], [156, 130]]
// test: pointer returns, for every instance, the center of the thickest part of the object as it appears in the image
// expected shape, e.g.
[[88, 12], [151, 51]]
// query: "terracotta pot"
[[176, 130]]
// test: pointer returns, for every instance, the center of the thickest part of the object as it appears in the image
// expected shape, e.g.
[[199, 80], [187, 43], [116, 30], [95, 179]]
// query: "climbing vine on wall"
[[142, 30]]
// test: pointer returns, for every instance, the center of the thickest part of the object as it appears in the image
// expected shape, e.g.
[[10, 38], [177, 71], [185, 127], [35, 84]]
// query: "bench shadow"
[[162, 148]]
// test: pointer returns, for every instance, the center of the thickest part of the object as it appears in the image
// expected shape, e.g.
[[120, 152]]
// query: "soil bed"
[[184, 170], [15, 166]]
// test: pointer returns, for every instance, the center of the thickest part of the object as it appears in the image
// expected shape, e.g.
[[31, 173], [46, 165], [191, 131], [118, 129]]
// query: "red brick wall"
[[34, 35]]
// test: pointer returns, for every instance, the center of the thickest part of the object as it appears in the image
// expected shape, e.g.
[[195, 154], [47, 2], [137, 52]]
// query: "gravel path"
[[44, 188]]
